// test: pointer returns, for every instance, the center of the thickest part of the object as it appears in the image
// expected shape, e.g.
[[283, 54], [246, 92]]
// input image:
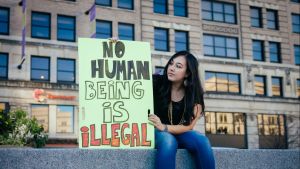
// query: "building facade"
[[248, 51]]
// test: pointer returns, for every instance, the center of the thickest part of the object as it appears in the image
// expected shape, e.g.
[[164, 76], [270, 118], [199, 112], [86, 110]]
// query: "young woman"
[[178, 104]]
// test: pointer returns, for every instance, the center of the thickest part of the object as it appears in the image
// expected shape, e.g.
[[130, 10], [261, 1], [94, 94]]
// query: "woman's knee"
[[166, 141], [199, 139]]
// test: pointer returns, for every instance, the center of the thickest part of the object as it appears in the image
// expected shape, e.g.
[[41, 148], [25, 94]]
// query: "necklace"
[[170, 113]]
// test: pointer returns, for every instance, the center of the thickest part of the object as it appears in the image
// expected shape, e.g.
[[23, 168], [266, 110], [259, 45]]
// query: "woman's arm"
[[177, 129]]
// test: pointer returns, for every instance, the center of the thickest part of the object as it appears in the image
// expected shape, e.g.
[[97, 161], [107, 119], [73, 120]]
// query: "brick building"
[[248, 50]]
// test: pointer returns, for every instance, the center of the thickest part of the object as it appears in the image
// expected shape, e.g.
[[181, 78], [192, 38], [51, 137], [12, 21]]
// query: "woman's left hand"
[[156, 122]]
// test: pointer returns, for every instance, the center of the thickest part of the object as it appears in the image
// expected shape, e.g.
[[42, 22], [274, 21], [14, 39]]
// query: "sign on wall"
[[115, 94]]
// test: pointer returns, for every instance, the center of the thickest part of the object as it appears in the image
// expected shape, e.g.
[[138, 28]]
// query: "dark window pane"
[[40, 25], [126, 31], [272, 21], [4, 21], [126, 4], [274, 49], [297, 54], [103, 2], [296, 23], [180, 8], [161, 39], [220, 46], [256, 19], [160, 6], [218, 11], [257, 50], [66, 28], [181, 40], [66, 70], [3, 65], [103, 29], [40, 68]]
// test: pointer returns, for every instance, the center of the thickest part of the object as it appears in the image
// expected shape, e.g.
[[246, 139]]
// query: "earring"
[[185, 82]]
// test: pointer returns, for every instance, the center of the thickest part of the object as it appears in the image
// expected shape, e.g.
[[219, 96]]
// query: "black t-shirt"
[[162, 110]]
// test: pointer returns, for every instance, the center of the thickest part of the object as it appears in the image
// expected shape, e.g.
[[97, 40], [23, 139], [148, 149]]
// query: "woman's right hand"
[[156, 122]]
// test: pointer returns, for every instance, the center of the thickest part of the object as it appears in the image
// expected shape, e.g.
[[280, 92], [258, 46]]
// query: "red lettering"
[[135, 136], [127, 140], [105, 141], [84, 136], [115, 141], [144, 135], [94, 141]]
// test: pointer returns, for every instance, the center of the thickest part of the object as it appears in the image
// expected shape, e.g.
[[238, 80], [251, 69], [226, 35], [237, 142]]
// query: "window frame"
[[49, 32], [259, 18], [262, 52], [264, 78], [73, 119], [280, 86], [186, 39], [104, 21], [8, 20], [294, 24], [227, 84], [127, 24], [49, 68], [74, 28], [278, 52], [212, 13], [43, 105], [185, 7], [6, 67], [276, 22], [167, 39], [121, 7], [74, 71], [99, 3], [157, 3], [225, 47]]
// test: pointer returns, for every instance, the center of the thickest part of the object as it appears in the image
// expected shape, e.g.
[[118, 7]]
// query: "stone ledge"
[[11, 158]]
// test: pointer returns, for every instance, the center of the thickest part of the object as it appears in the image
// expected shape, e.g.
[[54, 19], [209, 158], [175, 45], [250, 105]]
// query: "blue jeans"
[[196, 143]]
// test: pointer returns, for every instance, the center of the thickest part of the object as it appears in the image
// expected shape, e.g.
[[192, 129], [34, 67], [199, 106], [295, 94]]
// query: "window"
[[66, 70], [40, 68], [66, 28], [103, 29], [272, 19], [40, 25], [297, 54], [277, 86], [3, 66], [4, 108], [298, 1], [159, 70], [41, 113], [298, 87], [258, 50], [181, 41], [65, 119], [218, 11], [103, 2], [260, 85], [180, 8], [125, 4], [296, 23], [4, 21], [160, 6], [161, 39], [220, 46], [225, 129], [256, 17], [274, 49], [271, 131], [126, 31], [222, 82]]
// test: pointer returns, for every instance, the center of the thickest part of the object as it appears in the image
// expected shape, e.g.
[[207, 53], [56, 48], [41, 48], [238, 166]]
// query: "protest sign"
[[115, 94]]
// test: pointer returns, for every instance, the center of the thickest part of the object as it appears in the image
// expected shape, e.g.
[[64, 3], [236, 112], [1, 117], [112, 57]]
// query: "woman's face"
[[177, 69]]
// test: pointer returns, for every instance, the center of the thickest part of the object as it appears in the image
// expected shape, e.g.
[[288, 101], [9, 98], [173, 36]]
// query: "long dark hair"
[[193, 89]]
